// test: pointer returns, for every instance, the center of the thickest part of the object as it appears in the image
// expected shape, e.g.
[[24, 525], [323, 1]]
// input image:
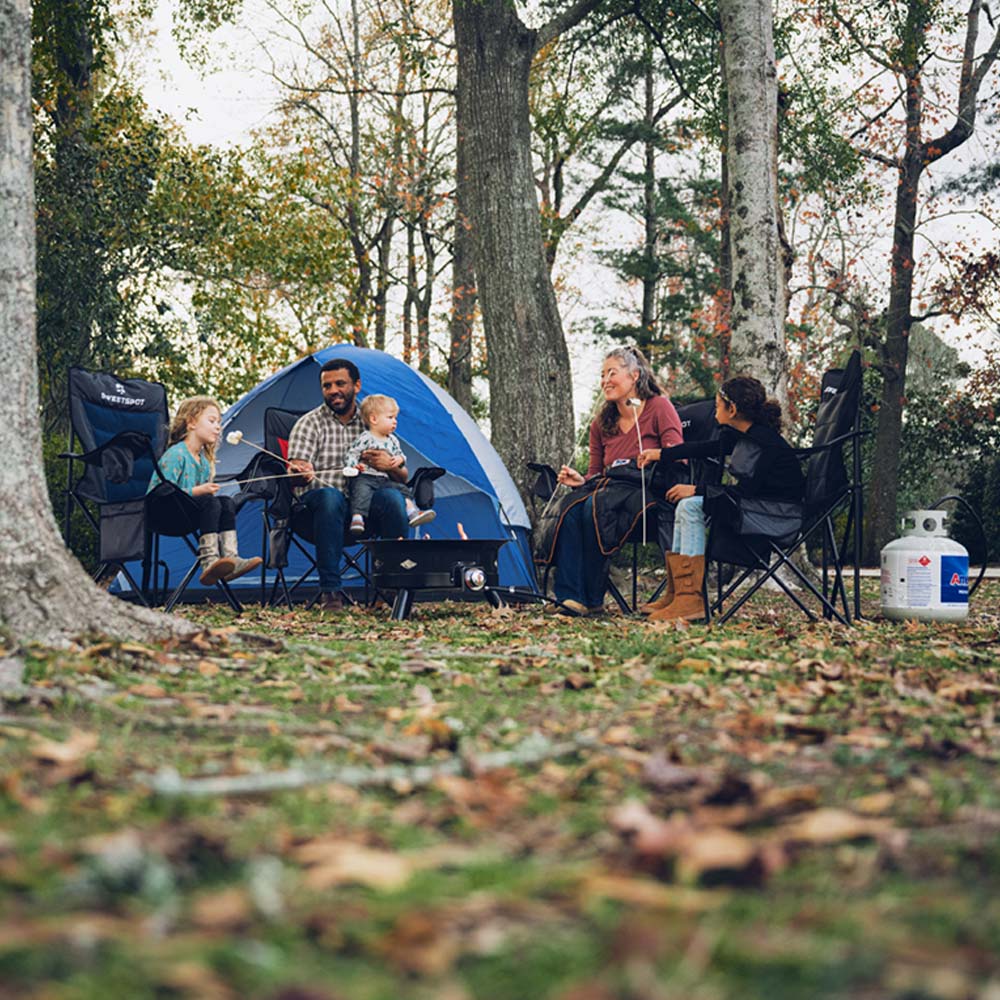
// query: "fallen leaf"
[[332, 862], [831, 826], [646, 893], [71, 751], [147, 690], [229, 909]]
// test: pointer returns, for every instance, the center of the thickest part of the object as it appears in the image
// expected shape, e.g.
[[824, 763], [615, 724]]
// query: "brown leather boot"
[[666, 597], [688, 574]]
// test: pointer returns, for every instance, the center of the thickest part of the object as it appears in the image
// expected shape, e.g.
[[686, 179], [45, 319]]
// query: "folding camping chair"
[[766, 534], [286, 523], [121, 426], [698, 424], [659, 529]]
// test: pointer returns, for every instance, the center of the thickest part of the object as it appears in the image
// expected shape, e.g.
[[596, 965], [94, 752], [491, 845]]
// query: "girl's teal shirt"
[[181, 467]]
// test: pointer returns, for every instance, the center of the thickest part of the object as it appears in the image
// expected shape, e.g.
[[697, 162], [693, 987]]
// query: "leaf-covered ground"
[[506, 806]]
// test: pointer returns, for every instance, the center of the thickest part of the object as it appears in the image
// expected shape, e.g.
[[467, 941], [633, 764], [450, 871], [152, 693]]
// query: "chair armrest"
[[545, 484], [422, 484]]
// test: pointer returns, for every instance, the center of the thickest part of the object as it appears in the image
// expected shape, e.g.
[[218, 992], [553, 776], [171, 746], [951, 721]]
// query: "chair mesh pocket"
[[123, 531], [777, 519]]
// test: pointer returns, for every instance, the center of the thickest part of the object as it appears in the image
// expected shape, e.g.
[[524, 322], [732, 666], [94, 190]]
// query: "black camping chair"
[[764, 535], [121, 426], [287, 523], [698, 424], [659, 528]]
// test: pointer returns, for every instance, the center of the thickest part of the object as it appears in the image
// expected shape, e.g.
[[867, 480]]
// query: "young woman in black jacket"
[[762, 463]]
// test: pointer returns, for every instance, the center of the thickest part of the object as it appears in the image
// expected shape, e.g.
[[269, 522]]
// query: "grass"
[[770, 809]]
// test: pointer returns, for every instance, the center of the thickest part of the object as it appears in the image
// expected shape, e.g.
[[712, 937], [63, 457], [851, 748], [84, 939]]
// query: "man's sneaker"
[[357, 525], [418, 516]]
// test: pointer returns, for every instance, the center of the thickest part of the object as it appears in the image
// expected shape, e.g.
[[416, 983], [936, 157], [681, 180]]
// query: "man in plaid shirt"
[[316, 448]]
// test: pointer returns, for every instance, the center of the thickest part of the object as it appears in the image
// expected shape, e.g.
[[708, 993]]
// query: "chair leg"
[[230, 596], [402, 605], [181, 587]]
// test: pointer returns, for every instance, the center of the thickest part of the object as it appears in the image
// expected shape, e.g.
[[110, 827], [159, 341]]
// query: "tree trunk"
[[724, 321], [384, 250], [760, 297], [463, 292], [531, 408], [44, 593], [409, 302], [425, 299], [649, 275]]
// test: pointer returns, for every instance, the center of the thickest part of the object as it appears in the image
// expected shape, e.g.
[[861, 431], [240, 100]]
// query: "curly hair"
[[634, 361], [187, 413], [750, 398], [377, 403]]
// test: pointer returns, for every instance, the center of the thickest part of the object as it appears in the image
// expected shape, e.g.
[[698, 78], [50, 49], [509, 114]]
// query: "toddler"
[[379, 414]]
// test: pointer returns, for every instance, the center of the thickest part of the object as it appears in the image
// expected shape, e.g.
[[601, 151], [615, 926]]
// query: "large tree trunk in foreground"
[[531, 407], [759, 289], [44, 593]]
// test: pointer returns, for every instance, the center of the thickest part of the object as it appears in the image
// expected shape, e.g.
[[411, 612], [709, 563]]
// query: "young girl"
[[763, 464], [189, 463], [379, 414]]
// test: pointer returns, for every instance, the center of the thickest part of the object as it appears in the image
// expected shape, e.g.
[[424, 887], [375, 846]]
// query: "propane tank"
[[925, 574]]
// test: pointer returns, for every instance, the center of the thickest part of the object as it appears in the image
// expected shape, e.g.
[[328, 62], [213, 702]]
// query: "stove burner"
[[458, 565]]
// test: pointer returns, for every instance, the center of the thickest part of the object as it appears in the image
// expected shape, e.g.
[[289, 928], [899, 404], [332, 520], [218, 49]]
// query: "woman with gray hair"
[[581, 547]]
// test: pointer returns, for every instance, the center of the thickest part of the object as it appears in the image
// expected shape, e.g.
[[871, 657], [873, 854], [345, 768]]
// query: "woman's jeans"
[[329, 509], [581, 568], [689, 527]]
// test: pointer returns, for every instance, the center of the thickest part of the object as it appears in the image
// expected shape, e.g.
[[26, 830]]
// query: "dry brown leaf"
[[192, 979], [422, 943], [577, 682], [229, 909], [693, 663], [147, 690], [344, 704], [715, 850], [71, 751], [208, 669], [831, 826], [644, 892], [664, 775], [966, 692], [875, 804], [332, 862]]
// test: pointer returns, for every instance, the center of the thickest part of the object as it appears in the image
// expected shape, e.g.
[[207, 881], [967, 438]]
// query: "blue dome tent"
[[433, 430]]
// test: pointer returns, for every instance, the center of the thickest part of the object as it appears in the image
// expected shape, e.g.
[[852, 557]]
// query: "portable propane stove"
[[454, 567]]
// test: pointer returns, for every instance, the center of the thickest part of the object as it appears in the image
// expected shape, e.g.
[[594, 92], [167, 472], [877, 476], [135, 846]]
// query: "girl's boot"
[[230, 552], [213, 569], [666, 597], [688, 573]]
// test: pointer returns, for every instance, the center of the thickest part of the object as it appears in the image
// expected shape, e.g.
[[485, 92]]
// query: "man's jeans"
[[329, 509]]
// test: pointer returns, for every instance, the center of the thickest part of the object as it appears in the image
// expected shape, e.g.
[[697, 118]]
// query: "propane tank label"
[[954, 579], [919, 583]]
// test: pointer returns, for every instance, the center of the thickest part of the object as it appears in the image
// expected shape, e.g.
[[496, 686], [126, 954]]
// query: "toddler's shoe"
[[416, 516], [357, 525]]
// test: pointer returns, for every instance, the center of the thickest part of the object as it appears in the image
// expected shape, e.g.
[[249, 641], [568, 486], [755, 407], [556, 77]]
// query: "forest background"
[[345, 214]]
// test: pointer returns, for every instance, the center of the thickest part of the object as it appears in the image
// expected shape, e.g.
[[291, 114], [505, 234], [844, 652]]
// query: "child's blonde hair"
[[187, 413], [377, 403]]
